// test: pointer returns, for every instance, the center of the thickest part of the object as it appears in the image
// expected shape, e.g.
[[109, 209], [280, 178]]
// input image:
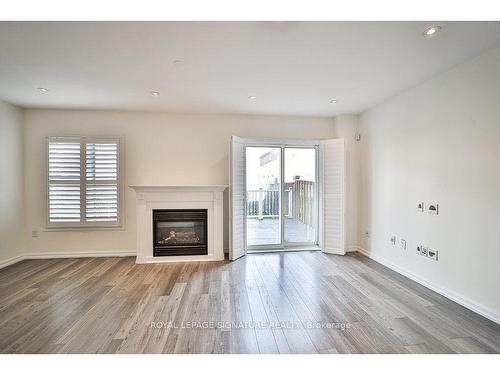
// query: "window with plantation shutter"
[[83, 182]]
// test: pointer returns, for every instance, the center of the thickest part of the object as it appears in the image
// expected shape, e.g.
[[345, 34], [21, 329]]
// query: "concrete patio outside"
[[267, 231]]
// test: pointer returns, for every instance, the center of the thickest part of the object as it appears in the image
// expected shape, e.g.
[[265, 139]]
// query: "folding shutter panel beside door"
[[237, 199], [333, 168]]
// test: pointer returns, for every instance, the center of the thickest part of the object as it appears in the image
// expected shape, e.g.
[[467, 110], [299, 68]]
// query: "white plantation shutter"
[[237, 199], [333, 167], [83, 187], [101, 192], [64, 181]]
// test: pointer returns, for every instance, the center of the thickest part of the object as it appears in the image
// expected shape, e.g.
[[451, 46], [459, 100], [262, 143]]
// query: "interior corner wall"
[[159, 149], [347, 126], [438, 143], [12, 185]]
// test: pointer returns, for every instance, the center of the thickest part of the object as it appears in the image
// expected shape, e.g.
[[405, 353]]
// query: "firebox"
[[180, 232]]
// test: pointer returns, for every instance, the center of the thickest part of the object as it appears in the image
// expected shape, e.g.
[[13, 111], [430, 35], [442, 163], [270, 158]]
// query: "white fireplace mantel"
[[208, 197]]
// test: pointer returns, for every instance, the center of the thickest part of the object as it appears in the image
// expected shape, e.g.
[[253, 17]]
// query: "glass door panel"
[[263, 196], [300, 208]]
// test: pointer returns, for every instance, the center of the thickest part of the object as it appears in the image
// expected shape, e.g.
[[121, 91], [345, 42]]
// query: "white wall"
[[11, 186], [439, 142], [166, 149]]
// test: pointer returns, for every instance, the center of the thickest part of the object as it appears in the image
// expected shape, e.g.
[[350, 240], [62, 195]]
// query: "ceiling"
[[293, 68]]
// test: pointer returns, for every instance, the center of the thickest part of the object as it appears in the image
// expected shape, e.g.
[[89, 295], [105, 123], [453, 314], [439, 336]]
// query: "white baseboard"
[[77, 254], [461, 300], [13, 260]]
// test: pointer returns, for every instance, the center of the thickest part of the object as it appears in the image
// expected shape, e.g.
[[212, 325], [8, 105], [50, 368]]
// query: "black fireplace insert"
[[180, 232]]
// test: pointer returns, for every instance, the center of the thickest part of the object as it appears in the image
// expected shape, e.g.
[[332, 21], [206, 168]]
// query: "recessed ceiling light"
[[431, 31], [43, 90], [155, 93], [333, 101], [252, 97]]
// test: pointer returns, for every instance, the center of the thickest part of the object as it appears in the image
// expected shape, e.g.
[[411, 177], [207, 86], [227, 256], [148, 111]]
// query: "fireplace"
[[180, 232], [207, 199]]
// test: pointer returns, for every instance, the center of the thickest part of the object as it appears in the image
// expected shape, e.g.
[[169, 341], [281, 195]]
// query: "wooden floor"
[[300, 302]]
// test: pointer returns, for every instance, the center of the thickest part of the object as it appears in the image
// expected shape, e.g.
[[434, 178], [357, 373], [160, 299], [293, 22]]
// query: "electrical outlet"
[[420, 206], [34, 233], [393, 240], [367, 234], [424, 251], [433, 254], [433, 208], [402, 244], [419, 250]]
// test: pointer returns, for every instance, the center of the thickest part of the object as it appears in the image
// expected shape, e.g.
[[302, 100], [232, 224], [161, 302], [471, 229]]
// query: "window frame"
[[83, 225]]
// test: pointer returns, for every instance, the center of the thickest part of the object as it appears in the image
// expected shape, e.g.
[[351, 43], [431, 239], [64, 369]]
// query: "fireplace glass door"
[[179, 232]]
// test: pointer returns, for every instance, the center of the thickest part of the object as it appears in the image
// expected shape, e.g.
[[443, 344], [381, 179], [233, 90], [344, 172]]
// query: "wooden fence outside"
[[301, 201]]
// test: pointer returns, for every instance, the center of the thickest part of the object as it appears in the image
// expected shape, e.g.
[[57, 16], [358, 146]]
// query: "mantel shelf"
[[158, 188]]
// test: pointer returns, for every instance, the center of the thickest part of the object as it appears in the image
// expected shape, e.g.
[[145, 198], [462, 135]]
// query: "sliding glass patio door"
[[281, 197], [263, 196], [300, 196]]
